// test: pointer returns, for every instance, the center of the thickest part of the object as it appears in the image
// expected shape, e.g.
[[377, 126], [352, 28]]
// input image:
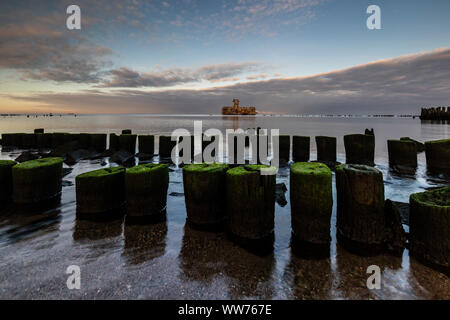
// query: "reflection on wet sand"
[[93, 230], [351, 275], [309, 278], [16, 225], [203, 254], [144, 242]]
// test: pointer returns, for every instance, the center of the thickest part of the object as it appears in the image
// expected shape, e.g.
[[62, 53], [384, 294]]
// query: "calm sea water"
[[170, 260]]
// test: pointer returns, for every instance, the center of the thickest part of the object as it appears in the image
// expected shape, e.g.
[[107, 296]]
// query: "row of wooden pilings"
[[359, 148], [242, 199]]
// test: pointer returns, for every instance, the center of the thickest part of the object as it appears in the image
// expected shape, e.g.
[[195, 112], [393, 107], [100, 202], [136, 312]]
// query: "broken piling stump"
[[205, 194], [360, 208], [100, 194], [127, 142], [98, 141], [146, 144], [326, 149], [284, 147], [37, 181], [146, 193], [360, 149], [429, 224], [438, 156], [311, 203], [165, 146], [300, 148], [113, 142], [402, 155]]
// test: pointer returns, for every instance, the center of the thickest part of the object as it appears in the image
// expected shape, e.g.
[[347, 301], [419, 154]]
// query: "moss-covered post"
[[98, 141], [326, 149], [360, 204], [285, 147], [165, 146], [100, 193], [300, 149], [429, 227], [311, 202], [146, 192], [402, 153], [146, 144], [205, 194], [37, 181], [6, 185], [113, 142], [438, 155], [250, 203], [127, 142], [360, 149]]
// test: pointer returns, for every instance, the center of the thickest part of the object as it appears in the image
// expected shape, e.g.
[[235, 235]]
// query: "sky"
[[193, 57]]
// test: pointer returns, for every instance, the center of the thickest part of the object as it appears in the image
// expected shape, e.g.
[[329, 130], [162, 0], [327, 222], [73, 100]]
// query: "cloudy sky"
[[194, 56]]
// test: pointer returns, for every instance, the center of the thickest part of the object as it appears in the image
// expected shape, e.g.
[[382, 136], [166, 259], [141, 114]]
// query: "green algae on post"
[[146, 190], [6, 185], [402, 153], [300, 148], [311, 201], [360, 149], [429, 224], [438, 155], [326, 149], [101, 191], [205, 193], [127, 142], [146, 144], [360, 207], [250, 202], [37, 180]]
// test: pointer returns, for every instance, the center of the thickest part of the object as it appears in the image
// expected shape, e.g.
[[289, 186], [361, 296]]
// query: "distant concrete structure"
[[237, 110]]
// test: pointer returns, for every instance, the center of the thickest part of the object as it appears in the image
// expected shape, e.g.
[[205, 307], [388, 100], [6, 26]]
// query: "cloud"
[[127, 78], [398, 85], [40, 47]]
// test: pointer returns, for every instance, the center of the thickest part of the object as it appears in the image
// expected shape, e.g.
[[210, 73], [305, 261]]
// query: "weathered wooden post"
[[39, 130], [360, 204], [311, 203], [113, 142], [438, 155], [402, 154], [98, 141], [43, 140], [127, 142], [284, 147], [100, 193], [146, 144], [126, 131], [37, 181], [205, 194], [429, 226], [6, 185], [300, 149], [326, 149], [251, 205], [29, 141], [360, 149], [146, 192], [165, 146]]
